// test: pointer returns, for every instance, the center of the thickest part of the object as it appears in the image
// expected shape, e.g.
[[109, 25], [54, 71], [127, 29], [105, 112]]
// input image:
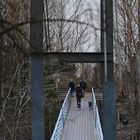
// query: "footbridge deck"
[[73, 124], [80, 125]]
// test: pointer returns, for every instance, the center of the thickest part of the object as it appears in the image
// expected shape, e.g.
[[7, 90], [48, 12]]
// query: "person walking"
[[78, 96], [83, 86], [72, 86]]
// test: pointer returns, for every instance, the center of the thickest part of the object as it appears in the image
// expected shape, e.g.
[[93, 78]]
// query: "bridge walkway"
[[80, 125]]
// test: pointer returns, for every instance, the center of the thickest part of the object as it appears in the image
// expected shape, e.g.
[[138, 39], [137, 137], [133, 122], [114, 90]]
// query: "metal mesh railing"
[[99, 132], [58, 130]]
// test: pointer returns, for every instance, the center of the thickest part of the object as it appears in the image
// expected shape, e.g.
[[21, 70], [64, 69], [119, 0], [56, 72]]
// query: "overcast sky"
[[95, 6]]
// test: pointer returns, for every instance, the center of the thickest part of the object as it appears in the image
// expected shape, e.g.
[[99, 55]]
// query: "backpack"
[[79, 92], [83, 84]]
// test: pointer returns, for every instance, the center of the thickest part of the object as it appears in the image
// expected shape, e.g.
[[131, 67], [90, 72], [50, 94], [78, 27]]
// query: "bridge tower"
[[109, 103]]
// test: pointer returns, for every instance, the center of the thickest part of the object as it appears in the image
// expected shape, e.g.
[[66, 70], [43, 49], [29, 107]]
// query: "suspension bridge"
[[84, 124]]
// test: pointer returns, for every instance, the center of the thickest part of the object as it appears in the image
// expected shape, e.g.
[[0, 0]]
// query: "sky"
[[95, 41]]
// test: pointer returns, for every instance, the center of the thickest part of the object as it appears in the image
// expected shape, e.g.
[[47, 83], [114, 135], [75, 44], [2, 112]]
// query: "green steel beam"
[[74, 57], [36, 71], [109, 99]]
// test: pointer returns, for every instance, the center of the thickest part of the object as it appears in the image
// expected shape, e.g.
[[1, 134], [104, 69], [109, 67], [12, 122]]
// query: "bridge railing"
[[99, 132], [58, 130]]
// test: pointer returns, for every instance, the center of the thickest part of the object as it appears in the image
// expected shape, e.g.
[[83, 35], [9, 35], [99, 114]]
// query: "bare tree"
[[128, 44], [67, 27], [63, 34], [14, 72]]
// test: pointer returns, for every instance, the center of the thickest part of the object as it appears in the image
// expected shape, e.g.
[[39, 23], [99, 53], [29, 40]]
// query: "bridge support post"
[[109, 111], [109, 103], [36, 71]]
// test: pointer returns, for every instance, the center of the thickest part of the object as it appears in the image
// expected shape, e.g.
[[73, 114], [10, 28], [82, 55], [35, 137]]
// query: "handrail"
[[97, 119], [61, 118]]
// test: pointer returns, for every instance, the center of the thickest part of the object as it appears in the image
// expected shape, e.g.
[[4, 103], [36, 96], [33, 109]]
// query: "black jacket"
[[72, 85], [79, 92], [83, 84]]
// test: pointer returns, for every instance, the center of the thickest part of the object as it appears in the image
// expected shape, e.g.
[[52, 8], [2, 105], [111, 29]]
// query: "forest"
[[68, 26]]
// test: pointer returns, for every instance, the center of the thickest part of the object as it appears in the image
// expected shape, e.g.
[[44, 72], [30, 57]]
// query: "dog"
[[89, 105]]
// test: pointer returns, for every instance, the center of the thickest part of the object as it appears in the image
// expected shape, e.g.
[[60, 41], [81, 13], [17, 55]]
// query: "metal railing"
[[58, 130], [99, 132]]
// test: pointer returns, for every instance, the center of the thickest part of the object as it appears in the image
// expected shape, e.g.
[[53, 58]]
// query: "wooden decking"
[[80, 124]]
